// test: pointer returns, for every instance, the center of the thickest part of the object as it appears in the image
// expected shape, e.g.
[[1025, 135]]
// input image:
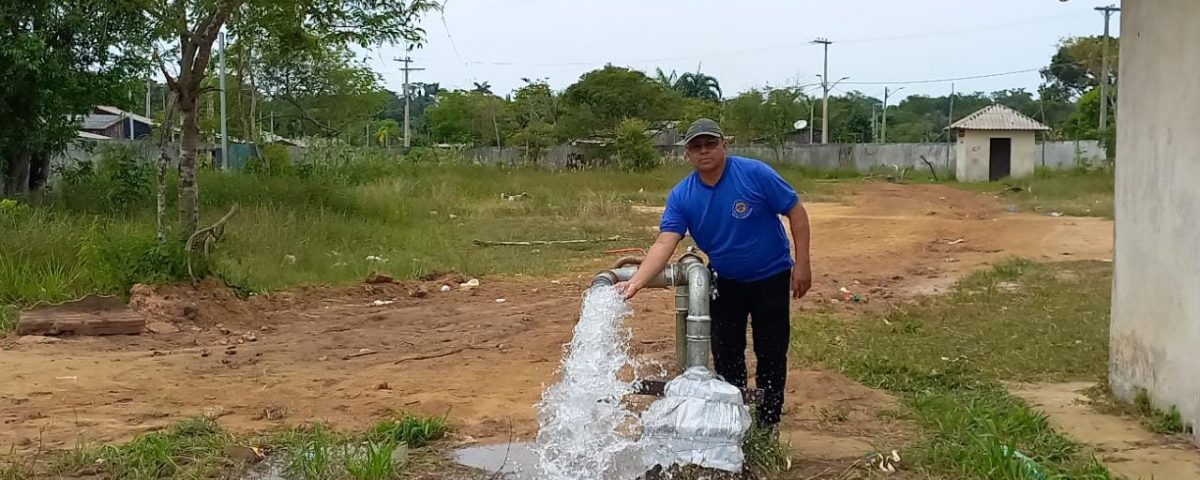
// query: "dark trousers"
[[767, 302]]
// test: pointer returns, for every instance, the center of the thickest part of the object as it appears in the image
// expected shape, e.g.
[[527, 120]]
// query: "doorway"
[[1000, 159]]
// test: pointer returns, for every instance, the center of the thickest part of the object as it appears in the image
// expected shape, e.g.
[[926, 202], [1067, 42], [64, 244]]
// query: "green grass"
[[947, 356], [16, 467], [321, 227], [416, 432], [1083, 193], [196, 449], [1166, 422], [191, 449]]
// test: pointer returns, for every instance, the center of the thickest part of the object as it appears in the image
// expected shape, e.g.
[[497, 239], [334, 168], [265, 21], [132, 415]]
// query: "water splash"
[[582, 420]]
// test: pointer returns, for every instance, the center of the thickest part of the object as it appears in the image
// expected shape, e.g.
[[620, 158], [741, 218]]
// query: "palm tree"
[[664, 79], [691, 85], [484, 87], [699, 85]]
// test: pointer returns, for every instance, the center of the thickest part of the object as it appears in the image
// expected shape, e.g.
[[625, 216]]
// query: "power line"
[[947, 80], [753, 50]]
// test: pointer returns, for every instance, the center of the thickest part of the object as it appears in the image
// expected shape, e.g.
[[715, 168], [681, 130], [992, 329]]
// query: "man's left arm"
[[802, 271], [783, 200]]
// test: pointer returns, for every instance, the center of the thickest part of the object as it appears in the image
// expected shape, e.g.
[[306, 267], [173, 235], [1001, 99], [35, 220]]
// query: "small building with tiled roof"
[[995, 142]]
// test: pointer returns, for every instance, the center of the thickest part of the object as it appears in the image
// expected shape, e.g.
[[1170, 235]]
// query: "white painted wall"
[[1156, 289], [974, 149]]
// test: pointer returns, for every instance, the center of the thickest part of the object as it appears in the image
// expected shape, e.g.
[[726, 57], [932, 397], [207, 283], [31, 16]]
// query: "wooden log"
[[92, 315]]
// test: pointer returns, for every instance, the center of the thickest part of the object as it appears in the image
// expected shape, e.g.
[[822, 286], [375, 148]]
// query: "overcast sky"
[[747, 43]]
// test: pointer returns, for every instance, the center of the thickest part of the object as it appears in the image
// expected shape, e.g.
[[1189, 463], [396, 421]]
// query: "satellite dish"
[[800, 124]]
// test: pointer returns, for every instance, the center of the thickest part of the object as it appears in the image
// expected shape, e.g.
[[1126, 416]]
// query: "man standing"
[[731, 207]]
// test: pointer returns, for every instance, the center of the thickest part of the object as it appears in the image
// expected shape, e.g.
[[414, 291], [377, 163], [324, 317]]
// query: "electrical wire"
[[946, 80], [764, 49]]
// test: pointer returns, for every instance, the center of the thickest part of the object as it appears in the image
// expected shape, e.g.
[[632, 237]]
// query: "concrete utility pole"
[[825, 90], [407, 68], [148, 97], [1107, 11], [224, 119], [883, 130]]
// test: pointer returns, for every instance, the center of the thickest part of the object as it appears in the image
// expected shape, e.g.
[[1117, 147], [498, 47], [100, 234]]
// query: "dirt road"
[[483, 355]]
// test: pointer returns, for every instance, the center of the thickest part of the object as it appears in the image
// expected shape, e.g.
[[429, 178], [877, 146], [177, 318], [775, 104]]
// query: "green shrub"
[[273, 159], [634, 151], [121, 261], [131, 175]]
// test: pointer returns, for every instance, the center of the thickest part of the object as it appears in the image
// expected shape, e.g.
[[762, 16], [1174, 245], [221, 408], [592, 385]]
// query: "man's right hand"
[[628, 289]]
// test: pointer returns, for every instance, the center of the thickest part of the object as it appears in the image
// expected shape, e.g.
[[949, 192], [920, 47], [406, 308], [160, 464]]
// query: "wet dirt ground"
[[350, 355]]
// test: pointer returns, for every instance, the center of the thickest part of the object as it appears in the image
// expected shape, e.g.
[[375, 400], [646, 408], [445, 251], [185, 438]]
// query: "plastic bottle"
[[1031, 467]]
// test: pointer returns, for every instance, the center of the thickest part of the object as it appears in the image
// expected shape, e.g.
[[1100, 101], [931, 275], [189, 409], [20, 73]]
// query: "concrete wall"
[[1069, 154], [1156, 288], [974, 146], [862, 157]]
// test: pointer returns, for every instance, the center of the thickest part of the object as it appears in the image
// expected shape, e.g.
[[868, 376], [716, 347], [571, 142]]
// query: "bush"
[[130, 176], [120, 261], [437, 156], [634, 150], [275, 160], [120, 180]]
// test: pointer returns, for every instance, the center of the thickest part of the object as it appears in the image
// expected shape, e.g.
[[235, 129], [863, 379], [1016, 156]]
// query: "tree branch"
[[304, 116]]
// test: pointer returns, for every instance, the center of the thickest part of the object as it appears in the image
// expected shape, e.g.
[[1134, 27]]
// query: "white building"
[[995, 142], [1156, 285]]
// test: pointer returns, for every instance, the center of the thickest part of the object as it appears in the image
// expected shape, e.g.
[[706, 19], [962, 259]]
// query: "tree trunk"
[[39, 171], [189, 195], [16, 174]]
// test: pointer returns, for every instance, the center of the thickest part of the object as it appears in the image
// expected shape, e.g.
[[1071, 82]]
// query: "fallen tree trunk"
[[529, 243]]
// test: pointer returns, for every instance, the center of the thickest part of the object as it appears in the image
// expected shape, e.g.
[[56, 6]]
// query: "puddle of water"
[[511, 461]]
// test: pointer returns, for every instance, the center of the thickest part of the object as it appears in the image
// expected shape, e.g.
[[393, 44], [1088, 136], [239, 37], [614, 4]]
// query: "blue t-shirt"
[[736, 222]]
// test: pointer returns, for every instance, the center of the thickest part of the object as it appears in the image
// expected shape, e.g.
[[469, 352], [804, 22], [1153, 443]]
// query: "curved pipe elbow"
[[627, 261]]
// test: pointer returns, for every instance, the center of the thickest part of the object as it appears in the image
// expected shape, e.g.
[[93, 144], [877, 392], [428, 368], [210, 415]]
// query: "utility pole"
[[812, 107], [825, 91], [1107, 11], [407, 68], [949, 131], [148, 97], [224, 119], [874, 117], [883, 130]]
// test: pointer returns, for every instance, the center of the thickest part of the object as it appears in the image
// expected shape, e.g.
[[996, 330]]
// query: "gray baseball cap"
[[703, 126]]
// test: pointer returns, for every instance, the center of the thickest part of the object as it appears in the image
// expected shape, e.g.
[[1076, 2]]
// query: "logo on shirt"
[[741, 209]]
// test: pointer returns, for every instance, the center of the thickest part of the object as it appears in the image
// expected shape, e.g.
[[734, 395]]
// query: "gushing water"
[[580, 418]]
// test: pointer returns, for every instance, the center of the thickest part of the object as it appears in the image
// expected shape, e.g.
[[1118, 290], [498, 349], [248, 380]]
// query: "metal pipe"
[[681, 314], [669, 277], [693, 293], [699, 322], [627, 261]]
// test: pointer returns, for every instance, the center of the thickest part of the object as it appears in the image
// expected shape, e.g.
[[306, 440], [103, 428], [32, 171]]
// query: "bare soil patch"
[[348, 355]]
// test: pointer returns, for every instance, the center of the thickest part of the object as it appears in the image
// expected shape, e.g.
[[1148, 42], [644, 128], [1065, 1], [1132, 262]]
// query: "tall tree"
[[323, 87], [766, 115], [602, 98], [469, 117], [194, 25], [1077, 66], [690, 85], [535, 112], [57, 60], [698, 85], [484, 87]]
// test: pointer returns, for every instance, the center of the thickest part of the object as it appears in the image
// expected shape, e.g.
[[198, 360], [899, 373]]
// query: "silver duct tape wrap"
[[699, 421]]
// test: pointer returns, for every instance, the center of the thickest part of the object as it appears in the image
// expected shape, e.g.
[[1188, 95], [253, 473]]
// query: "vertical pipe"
[[681, 315], [699, 323]]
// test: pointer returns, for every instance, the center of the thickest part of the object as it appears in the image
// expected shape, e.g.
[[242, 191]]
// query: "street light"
[[825, 106], [886, 93]]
